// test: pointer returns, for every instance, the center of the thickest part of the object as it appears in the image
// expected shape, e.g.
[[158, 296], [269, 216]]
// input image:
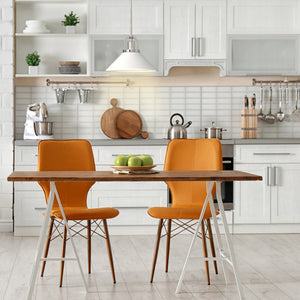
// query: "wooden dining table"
[[210, 177]]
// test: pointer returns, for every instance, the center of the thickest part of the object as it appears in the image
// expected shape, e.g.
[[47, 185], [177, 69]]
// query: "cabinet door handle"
[[199, 46], [130, 207], [193, 52], [269, 175], [275, 176], [280, 153], [40, 208]]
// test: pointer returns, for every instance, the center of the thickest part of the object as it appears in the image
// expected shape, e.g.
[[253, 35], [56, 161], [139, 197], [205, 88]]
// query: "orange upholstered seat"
[[188, 197], [72, 155]]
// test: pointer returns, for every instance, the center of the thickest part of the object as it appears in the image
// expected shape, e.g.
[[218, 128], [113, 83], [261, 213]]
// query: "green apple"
[[146, 160], [134, 161], [121, 160]]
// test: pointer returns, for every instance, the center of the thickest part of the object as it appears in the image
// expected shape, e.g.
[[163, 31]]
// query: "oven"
[[226, 186]]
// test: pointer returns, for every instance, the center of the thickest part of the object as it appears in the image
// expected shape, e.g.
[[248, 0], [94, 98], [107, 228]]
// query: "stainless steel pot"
[[178, 131], [43, 128], [213, 132]]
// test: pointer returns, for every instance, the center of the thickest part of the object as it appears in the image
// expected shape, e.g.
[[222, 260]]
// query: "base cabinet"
[[275, 199], [132, 199]]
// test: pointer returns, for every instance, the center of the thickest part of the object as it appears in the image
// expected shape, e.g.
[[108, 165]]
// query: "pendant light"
[[130, 60]]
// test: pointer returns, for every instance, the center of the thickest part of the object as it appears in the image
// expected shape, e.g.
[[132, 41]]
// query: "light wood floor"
[[269, 267]]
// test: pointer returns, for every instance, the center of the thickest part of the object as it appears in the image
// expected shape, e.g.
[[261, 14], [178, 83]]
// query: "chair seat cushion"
[[178, 213], [82, 213]]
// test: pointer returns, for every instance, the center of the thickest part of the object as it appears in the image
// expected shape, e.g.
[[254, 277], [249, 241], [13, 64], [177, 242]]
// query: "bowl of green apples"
[[133, 162]]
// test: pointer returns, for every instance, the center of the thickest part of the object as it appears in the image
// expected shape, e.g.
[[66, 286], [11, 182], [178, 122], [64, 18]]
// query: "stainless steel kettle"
[[178, 131]]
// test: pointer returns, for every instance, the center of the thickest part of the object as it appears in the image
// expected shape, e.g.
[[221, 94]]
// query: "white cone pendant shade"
[[130, 62]]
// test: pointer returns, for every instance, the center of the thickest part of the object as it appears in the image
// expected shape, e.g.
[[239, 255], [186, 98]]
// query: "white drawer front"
[[25, 155], [266, 153], [107, 155], [29, 208]]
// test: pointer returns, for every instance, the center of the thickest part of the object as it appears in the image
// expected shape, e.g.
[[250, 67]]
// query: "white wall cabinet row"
[[170, 33], [275, 199], [132, 198]]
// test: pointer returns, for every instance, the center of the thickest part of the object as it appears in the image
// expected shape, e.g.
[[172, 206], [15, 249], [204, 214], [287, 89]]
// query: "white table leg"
[[218, 235], [43, 236], [209, 188], [229, 242], [41, 243], [53, 187]]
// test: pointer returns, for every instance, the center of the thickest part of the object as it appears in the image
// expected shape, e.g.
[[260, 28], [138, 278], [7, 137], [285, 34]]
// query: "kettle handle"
[[182, 120]]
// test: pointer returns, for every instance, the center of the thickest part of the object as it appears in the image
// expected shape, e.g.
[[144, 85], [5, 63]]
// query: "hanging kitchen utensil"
[[270, 118], [295, 116], [109, 118], [178, 131], [129, 125], [261, 115], [280, 114]]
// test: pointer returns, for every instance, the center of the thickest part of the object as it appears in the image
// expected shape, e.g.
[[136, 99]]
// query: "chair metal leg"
[[47, 245], [205, 251], [157, 247], [89, 244], [212, 246], [168, 244], [109, 251], [62, 263]]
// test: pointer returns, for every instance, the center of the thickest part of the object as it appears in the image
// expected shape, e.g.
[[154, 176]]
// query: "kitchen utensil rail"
[[274, 82], [78, 83]]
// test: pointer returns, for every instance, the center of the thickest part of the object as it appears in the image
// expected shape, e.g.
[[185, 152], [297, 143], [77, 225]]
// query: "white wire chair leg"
[[229, 243], [41, 243], [209, 188]]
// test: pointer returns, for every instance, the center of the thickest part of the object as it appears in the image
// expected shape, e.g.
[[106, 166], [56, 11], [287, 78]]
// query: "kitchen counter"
[[158, 142]]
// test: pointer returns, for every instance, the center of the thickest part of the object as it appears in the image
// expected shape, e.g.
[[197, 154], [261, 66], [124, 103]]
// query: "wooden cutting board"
[[108, 120], [129, 125]]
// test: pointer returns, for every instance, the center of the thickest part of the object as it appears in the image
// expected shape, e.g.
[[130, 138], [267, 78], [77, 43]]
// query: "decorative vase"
[[70, 29], [33, 70]]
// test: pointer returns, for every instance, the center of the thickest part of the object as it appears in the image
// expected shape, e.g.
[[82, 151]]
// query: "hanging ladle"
[[261, 115], [270, 118], [280, 114], [296, 113]]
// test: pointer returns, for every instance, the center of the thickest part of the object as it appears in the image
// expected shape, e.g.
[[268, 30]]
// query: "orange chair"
[[72, 155], [187, 197]]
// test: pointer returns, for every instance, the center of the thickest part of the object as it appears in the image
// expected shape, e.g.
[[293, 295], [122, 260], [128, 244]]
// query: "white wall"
[[201, 105], [6, 113]]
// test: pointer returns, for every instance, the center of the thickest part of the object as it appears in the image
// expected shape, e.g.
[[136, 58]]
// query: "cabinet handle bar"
[[282, 153]]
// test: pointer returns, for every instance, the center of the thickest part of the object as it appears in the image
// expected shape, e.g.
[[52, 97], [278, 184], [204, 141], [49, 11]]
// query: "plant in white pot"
[[70, 21], [33, 60]]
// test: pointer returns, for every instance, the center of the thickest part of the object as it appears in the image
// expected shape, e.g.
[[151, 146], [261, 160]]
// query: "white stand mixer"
[[36, 112]]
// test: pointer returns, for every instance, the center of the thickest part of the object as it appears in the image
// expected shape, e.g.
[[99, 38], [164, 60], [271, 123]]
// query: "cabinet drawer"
[[29, 208], [107, 155], [267, 153], [26, 156]]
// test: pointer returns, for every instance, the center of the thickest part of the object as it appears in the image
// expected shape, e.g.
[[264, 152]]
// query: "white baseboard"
[[6, 226]]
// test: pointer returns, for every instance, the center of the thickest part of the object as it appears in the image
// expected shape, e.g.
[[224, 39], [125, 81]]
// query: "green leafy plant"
[[33, 59], [70, 20]]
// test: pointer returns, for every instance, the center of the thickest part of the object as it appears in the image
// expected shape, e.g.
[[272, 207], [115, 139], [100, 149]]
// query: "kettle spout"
[[188, 124]]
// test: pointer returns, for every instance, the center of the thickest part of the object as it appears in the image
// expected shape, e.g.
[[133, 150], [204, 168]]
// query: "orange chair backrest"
[[66, 155], [192, 154]]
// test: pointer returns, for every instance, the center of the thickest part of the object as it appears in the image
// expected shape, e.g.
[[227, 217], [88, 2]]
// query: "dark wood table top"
[[110, 176]]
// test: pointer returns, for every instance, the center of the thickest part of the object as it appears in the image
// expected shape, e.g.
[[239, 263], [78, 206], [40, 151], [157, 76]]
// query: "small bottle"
[[246, 102]]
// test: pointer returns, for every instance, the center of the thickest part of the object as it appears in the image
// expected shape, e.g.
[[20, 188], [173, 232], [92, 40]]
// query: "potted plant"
[[70, 21], [33, 61]]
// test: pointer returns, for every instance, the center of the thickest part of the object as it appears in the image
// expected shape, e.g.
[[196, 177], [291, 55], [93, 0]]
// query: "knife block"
[[249, 124]]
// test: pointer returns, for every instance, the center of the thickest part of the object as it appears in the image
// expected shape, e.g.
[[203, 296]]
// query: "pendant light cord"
[[130, 18]]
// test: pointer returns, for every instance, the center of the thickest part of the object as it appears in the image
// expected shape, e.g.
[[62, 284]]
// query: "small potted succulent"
[[70, 21], [33, 61]]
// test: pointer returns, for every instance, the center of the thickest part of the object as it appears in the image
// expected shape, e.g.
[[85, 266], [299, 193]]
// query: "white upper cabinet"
[[263, 16], [195, 29], [113, 17]]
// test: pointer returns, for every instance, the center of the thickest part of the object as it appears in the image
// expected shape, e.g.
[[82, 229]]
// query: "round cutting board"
[[108, 120], [129, 125]]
